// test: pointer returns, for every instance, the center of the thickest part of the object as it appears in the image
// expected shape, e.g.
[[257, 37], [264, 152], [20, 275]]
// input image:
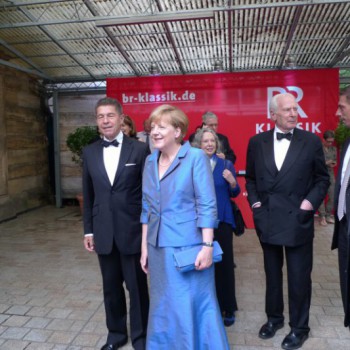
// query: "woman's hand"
[[204, 258], [228, 176], [144, 259], [221, 155], [144, 251]]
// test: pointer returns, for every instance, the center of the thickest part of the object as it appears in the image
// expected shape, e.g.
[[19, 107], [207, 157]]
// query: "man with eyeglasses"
[[210, 120]]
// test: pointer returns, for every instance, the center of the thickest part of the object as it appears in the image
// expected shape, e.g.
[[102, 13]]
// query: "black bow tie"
[[281, 135], [105, 143]]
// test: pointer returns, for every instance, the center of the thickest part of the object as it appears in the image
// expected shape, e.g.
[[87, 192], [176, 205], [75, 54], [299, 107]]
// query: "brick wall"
[[74, 111], [24, 181]]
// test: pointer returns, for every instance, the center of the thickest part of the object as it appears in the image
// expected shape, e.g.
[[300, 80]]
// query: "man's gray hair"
[[273, 106], [208, 115]]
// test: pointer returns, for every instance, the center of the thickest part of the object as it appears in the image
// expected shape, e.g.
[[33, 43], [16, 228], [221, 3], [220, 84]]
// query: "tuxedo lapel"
[[296, 146], [100, 162], [125, 152], [268, 152]]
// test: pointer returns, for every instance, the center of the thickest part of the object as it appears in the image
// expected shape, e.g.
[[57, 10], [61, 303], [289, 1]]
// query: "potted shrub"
[[76, 141], [80, 138]]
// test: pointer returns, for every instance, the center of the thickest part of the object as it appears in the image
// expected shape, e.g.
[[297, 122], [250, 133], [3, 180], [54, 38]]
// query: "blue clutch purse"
[[185, 259]]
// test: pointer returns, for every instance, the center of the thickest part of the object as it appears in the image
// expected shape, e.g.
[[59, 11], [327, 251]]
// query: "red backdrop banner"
[[240, 100]]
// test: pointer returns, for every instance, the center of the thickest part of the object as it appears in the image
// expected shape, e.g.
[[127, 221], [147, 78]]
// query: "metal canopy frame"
[[82, 42]]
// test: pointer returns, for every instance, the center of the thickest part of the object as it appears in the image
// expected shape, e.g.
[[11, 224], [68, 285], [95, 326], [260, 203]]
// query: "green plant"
[[342, 132], [78, 139]]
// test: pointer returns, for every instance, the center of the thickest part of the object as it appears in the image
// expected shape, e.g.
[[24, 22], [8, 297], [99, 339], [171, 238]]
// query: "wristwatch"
[[208, 244]]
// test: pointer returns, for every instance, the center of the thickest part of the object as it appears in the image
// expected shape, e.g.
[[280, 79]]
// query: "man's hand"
[[89, 243], [306, 205]]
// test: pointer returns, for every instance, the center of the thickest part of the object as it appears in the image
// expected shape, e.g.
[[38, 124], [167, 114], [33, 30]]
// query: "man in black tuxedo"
[[210, 120], [342, 208], [112, 179], [286, 180]]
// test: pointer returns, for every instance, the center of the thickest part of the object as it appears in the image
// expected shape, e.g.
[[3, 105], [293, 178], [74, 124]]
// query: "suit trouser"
[[224, 270], [325, 210], [299, 267], [343, 260], [117, 268]]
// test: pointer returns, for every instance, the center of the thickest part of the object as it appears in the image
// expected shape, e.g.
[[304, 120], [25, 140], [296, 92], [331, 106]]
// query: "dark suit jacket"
[[225, 147], [336, 196], [113, 212], [303, 175]]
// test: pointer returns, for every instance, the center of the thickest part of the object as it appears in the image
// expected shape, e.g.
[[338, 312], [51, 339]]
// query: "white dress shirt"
[[280, 148], [111, 157]]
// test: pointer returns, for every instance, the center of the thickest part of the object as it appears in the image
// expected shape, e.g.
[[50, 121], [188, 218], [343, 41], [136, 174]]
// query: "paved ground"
[[50, 289]]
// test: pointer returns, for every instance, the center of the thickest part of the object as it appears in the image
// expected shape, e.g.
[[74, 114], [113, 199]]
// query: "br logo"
[[294, 90]]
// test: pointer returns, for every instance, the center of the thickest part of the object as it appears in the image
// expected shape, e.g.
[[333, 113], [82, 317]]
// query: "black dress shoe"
[[109, 347], [294, 341], [114, 346], [269, 329]]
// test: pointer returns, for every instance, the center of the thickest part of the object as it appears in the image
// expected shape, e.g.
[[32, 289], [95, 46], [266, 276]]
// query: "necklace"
[[165, 165], [169, 162]]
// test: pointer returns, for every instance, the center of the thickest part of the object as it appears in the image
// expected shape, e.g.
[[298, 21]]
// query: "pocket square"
[[130, 164], [185, 259]]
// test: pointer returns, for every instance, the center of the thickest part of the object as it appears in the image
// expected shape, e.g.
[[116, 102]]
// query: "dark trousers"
[[224, 270], [299, 267], [117, 268], [343, 259]]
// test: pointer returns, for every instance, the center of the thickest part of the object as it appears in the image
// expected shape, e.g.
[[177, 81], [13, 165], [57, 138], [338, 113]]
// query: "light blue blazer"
[[176, 207]]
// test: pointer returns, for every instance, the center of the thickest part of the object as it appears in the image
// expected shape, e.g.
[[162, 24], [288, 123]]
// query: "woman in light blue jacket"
[[179, 211]]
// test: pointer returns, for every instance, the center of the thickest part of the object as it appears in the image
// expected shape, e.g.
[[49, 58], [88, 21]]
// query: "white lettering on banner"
[[314, 127], [168, 96], [299, 96]]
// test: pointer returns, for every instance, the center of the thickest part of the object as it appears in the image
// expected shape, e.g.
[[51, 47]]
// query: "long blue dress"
[[184, 312]]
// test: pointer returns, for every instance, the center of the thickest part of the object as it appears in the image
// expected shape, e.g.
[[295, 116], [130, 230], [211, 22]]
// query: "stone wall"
[[24, 180], [74, 111]]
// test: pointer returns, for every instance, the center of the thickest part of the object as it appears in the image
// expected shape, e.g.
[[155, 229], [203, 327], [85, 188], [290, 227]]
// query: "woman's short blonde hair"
[[177, 118]]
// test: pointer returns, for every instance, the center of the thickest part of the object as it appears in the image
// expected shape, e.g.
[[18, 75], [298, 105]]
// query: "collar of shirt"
[[119, 138], [111, 157], [345, 163], [279, 130], [280, 149], [212, 162]]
